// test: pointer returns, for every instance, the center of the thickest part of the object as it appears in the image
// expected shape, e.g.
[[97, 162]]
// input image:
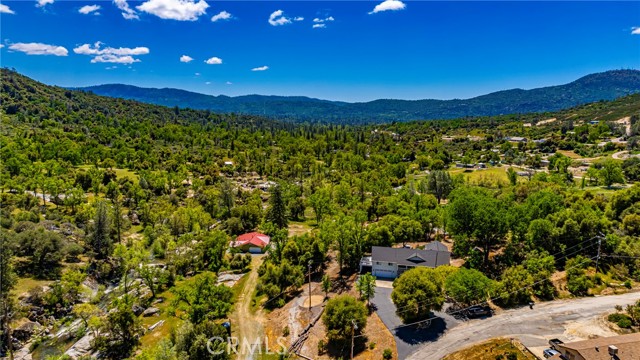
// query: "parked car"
[[478, 311], [553, 343], [549, 353]]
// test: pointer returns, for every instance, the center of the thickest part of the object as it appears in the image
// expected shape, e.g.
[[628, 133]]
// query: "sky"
[[337, 50]]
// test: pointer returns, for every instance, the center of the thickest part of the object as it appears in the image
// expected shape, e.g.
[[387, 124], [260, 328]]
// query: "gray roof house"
[[392, 262]]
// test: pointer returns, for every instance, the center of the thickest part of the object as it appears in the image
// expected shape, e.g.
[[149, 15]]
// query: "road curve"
[[532, 327]]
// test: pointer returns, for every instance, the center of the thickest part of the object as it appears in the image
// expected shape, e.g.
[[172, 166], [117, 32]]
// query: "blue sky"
[[407, 50]]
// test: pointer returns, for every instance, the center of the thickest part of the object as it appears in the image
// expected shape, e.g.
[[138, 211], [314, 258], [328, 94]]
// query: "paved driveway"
[[409, 338]]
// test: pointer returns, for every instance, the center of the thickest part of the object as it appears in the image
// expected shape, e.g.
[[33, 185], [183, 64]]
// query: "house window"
[[377, 262], [390, 264]]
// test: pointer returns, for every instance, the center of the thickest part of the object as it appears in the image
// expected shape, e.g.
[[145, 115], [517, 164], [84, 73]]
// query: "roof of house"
[[411, 257], [596, 349], [252, 238], [436, 245]]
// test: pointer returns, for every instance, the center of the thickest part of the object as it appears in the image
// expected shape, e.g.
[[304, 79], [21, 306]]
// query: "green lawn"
[[120, 173]]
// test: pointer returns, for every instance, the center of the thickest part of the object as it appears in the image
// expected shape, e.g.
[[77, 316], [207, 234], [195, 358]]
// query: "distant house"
[[253, 242], [390, 263], [228, 163], [516, 139], [622, 347]]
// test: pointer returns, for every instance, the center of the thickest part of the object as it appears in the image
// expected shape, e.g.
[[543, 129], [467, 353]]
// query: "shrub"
[[621, 320], [387, 354], [322, 347]]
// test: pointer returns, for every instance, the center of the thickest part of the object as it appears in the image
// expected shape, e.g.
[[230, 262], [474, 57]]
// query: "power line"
[[485, 302], [404, 309]]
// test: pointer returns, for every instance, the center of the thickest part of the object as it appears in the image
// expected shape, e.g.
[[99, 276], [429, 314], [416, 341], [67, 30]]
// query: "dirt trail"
[[248, 325]]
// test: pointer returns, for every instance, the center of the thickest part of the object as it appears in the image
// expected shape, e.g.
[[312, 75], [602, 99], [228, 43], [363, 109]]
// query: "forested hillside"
[[595, 87], [117, 219]]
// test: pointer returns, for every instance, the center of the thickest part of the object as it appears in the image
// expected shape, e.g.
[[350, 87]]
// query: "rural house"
[[253, 242], [386, 262]]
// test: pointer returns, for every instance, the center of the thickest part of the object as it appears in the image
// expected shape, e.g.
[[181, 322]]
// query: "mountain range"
[[607, 85]]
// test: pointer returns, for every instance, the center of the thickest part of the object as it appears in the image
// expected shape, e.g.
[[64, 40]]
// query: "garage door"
[[255, 250]]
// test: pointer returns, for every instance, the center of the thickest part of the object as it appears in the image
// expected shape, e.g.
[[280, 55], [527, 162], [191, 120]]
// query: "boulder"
[[26, 330], [151, 311], [137, 309]]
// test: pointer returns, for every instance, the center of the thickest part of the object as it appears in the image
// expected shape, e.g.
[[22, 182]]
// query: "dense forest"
[[113, 209], [595, 87]]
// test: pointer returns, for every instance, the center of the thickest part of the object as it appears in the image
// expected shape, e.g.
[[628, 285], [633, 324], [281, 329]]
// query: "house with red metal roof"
[[253, 242]]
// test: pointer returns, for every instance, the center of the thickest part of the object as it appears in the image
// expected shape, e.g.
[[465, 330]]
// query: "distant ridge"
[[607, 85]]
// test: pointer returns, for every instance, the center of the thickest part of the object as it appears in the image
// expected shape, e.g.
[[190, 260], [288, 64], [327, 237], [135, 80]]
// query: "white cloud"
[[319, 26], [127, 12], [327, 19], [389, 5], [298, 18], [635, 31], [116, 59], [222, 15], [229, 83], [42, 3], [207, 82], [197, 74], [5, 9], [186, 58], [182, 10], [111, 67], [87, 9], [277, 18], [261, 68], [213, 61], [1, 46], [39, 49], [111, 55]]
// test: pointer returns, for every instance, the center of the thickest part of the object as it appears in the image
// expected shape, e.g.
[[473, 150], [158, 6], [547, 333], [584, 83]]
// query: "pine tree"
[[277, 212], [101, 238]]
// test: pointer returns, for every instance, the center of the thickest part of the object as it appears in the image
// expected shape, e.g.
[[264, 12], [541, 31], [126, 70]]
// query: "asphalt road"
[[408, 339], [532, 327]]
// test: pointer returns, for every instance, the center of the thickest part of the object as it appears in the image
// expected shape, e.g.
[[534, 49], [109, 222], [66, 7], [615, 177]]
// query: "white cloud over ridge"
[[39, 49], [181, 10], [88, 9], [111, 55], [223, 15], [260, 68], [389, 5], [213, 61], [4, 9], [127, 12], [186, 58]]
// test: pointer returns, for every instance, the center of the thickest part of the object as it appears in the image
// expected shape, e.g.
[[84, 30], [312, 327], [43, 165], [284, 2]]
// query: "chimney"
[[613, 350]]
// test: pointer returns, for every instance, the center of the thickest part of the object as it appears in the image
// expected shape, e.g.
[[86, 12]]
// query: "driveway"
[[553, 319], [409, 338]]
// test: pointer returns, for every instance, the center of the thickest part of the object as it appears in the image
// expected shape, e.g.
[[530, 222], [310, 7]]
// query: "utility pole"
[[354, 327], [309, 266], [598, 258]]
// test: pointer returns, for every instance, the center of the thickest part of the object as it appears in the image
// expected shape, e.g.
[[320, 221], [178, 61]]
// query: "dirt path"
[[554, 319], [247, 325]]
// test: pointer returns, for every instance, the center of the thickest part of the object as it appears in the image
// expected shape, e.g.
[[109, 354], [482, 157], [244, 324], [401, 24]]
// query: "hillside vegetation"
[[595, 87], [116, 218]]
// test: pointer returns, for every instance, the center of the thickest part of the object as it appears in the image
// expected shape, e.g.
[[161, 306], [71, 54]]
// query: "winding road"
[[533, 327]]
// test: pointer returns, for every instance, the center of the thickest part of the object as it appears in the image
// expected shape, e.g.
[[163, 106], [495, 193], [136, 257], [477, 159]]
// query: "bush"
[[622, 320], [387, 354], [322, 347]]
